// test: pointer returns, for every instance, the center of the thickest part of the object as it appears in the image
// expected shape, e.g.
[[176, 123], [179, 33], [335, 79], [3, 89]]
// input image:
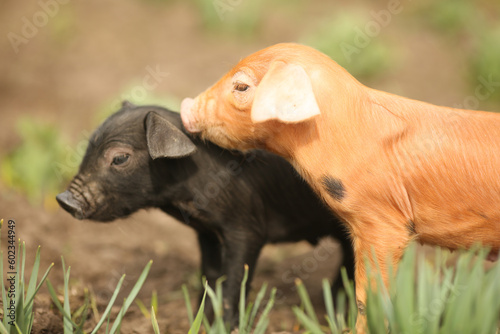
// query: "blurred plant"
[[485, 61], [339, 319], [167, 101], [17, 298], [162, 2], [43, 161], [459, 299], [29, 168], [453, 17], [154, 305], [248, 322], [343, 39], [422, 298], [240, 18], [469, 23], [74, 323], [63, 25]]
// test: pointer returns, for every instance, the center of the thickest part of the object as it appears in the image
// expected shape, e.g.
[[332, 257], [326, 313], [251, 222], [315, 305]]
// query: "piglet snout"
[[68, 202], [187, 116]]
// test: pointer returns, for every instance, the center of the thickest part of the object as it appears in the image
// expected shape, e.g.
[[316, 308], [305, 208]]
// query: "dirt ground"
[[100, 253], [73, 67]]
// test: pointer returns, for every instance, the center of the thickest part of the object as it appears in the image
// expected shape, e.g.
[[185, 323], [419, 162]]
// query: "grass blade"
[[349, 290], [216, 298], [3, 324], [206, 324], [118, 324], [187, 301], [306, 301], [83, 312], [154, 301], [93, 304], [330, 310], [156, 327], [144, 310], [255, 308], [215, 301], [129, 300], [310, 325], [4, 295], [111, 302], [30, 293], [195, 327], [18, 329], [44, 277], [20, 316], [68, 328], [23, 264], [243, 321], [17, 283], [57, 303], [264, 320]]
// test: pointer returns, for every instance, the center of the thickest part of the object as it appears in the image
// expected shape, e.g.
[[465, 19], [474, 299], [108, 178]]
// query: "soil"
[[99, 254], [90, 52]]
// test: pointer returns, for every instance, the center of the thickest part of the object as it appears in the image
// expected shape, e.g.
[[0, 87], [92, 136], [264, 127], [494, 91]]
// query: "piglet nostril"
[[68, 202]]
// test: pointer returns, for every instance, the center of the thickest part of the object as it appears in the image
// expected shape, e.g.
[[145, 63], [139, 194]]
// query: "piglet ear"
[[285, 93], [128, 105], [165, 140]]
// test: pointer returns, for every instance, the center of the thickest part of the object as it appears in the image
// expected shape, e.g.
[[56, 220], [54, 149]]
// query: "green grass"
[[17, 297], [110, 107], [40, 163], [63, 26], [250, 321], [453, 17], [154, 306], [338, 319], [341, 38], [239, 18], [44, 160], [423, 298], [73, 323], [473, 26], [431, 297], [485, 63]]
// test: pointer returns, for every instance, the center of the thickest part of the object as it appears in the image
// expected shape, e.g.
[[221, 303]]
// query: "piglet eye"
[[241, 87], [120, 159]]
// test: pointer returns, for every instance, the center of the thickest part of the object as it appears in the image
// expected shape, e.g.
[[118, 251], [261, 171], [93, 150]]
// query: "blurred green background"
[[66, 64]]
